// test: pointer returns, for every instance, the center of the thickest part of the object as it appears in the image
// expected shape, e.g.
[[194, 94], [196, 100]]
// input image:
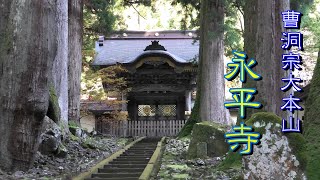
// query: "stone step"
[[125, 166], [129, 162], [136, 155], [146, 144], [148, 147], [140, 155], [130, 158], [118, 170], [113, 178], [117, 175], [142, 149], [149, 140], [138, 152]]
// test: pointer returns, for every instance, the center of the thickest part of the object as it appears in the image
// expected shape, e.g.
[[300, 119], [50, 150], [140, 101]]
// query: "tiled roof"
[[97, 105], [126, 50]]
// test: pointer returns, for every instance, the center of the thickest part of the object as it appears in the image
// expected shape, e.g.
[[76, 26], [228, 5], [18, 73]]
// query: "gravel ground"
[[82, 154]]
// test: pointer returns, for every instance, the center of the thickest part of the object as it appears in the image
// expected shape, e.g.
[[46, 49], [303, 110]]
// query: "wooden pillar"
[[183, 107], [124, 105], [98, 124], [135, 110], [130, 107], [157, 110], [180, 108], [188, 100]]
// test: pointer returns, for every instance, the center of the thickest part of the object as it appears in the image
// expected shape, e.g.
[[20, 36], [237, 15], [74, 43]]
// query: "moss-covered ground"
[[312, 124], [210, 133], [176, 166], [232, 161]]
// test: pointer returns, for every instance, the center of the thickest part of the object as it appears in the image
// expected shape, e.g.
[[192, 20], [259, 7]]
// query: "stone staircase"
[[130, 164]]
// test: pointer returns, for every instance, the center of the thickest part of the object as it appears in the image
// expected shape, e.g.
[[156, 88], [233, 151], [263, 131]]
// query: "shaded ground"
[[82, 154]]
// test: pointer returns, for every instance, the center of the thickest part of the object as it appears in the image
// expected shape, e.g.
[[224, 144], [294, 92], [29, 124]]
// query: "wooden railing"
[[149, 128]]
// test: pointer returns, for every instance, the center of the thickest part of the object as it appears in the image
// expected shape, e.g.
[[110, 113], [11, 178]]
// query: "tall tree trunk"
[[195, 114], [27, 50], [312, 123], [212, 83], [263, 31], [60, 65], [75, 57], [250, 43]]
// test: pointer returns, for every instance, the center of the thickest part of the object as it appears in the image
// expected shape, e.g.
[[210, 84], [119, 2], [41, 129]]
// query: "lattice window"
[[146, 110], [167, 110]]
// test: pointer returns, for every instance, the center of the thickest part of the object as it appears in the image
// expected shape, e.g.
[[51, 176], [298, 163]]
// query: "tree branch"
[[137, 12]]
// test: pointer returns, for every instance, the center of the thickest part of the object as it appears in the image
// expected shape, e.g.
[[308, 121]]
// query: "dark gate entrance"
[[157, 112], [156, 106]]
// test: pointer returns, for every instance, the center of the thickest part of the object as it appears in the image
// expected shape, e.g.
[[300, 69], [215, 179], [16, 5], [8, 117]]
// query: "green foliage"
[[301, 5], [104, 83], [191, 13], [310, 22], [232, 26], [92, 84], [142, 2], [112, 76], [163, 15], [101, 17]]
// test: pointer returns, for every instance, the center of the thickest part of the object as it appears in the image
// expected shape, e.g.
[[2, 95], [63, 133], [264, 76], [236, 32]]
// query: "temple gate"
[[161, 76]]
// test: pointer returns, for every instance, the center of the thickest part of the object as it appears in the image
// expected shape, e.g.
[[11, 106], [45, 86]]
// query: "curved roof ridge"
[[124, 51], [155, 52]]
